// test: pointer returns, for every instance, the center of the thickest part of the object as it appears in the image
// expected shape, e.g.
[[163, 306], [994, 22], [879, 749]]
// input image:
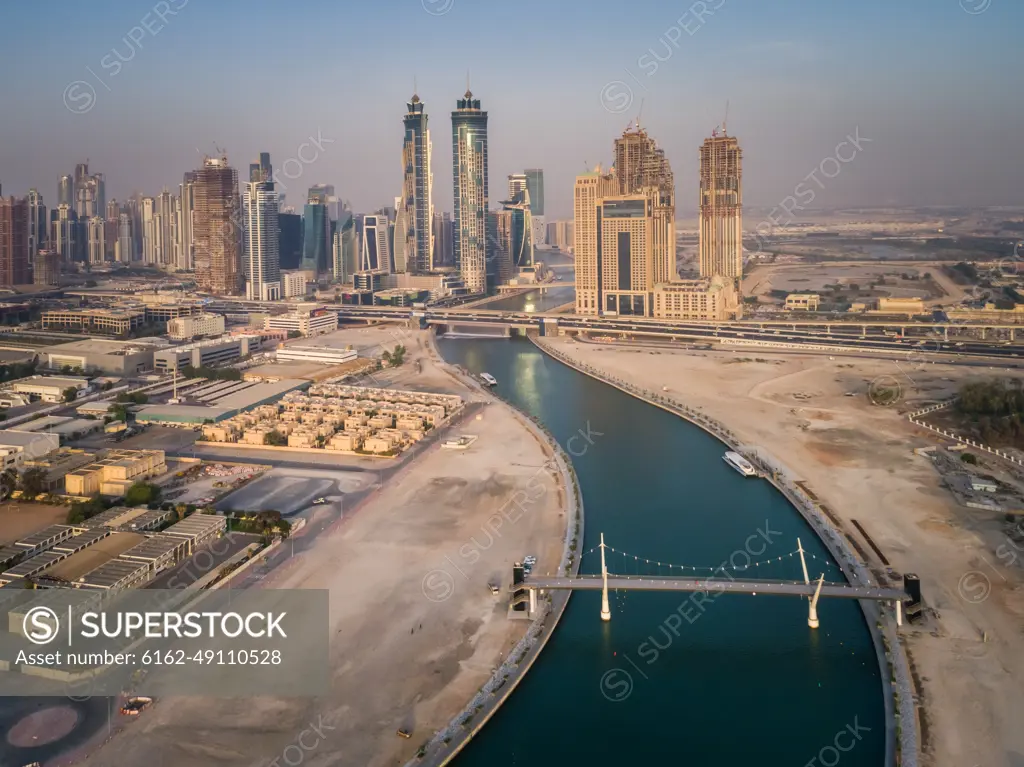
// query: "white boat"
[[741, 464], [488, 379]]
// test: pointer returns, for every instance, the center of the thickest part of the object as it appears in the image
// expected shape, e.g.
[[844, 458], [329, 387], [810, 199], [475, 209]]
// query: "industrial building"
[[185, 328], [803, 302], [308, 322], [207, 353], [197, 529], [17, 447], [121, 358], [217, 401], [117, 322], [324, 354], [115, 472], [47, 388]]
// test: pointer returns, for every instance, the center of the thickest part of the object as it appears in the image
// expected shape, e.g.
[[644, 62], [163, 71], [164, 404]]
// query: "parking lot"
[[291, 490]]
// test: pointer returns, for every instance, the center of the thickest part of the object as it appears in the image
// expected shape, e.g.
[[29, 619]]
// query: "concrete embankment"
[[446, 744], [902, 737]]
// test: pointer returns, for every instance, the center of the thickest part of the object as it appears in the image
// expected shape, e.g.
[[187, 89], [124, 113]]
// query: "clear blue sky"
[[937, 90]]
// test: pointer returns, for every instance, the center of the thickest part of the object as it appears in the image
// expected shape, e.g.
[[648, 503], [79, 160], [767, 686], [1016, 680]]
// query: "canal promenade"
[[446, 744], [902, 738]]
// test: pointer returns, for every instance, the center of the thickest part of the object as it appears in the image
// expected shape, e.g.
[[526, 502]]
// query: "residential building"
[[721, 207], [215, 230], [185, 255], [343, 249], [295, 284], [166, 230], [64, 233], [260, 240], [470, 184], [184, 328], [149, 232], [443, 247], [261, 170], [124, 249], [66, 192], [535, 186], [516, 187], [14, 241], [711, 299]]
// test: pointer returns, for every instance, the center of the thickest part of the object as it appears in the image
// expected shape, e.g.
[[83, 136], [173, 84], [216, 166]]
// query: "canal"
[[737, 680]]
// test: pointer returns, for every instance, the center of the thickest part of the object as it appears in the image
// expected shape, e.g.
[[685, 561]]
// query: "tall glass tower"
[[261, 254], [414, 235], [469, 171]]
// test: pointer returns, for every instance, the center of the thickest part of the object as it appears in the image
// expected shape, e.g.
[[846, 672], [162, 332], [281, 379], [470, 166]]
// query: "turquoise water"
[[737, 680]]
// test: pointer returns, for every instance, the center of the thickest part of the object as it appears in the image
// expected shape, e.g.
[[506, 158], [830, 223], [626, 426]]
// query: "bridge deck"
[[788, 588]]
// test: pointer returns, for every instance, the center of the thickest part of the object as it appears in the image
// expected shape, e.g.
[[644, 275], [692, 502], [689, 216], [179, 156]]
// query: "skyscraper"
[[124, 250], [166, 224], [590, 189], [261, 249], [516, 186], [535, 186], [316, 237], [46, 267], [470, 184], [374, 255], [97, 240], [642, 168], [721, 206], [186, 211], [66, 191], [149, 231], [290, 244], [38, 228], [89, 193], [216, 235], [14, 238], [346, 263], [414, 234], [261, 170], [64, 232]]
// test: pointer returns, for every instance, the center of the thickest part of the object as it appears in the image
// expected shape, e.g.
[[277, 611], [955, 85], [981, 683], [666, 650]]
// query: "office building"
[[560, 234], [721, 207], [443, 247], [46, 267], [344, 252], [216, 351], [97, 240], [38, 224], [260, 240], [101, 321], [590, 189], [375, 255], [414, 235], [290, 240], [14, 241], [470, 184], [626, 254], [216, 235], [500, 264], [295, 284], [316, 237]]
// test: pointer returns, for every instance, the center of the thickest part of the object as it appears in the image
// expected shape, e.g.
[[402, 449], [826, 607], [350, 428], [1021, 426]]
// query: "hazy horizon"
[[927, 86]]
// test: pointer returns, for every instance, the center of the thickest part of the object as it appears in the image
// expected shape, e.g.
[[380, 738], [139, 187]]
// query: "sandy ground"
[[415, 630], [858, 458], [18, 520]]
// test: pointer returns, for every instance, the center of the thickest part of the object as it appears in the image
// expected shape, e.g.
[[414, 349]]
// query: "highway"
[[775, 587]]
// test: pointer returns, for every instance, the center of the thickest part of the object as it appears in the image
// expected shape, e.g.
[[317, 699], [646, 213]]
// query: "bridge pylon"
[[803, 562], [606, 613], [812, 615]]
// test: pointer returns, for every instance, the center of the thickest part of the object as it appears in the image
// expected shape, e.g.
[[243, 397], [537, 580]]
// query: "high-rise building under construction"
[[721, 206], [216, 228]]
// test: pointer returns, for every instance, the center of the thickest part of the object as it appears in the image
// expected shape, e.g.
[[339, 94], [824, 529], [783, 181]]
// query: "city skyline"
[[792, 89]]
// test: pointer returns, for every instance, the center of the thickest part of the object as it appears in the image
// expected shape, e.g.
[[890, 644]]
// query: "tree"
[[294, 334], [34, 482], [394, 358], [119, 413], [70, 394], [141, 493], [8, 483], [275, 438]]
